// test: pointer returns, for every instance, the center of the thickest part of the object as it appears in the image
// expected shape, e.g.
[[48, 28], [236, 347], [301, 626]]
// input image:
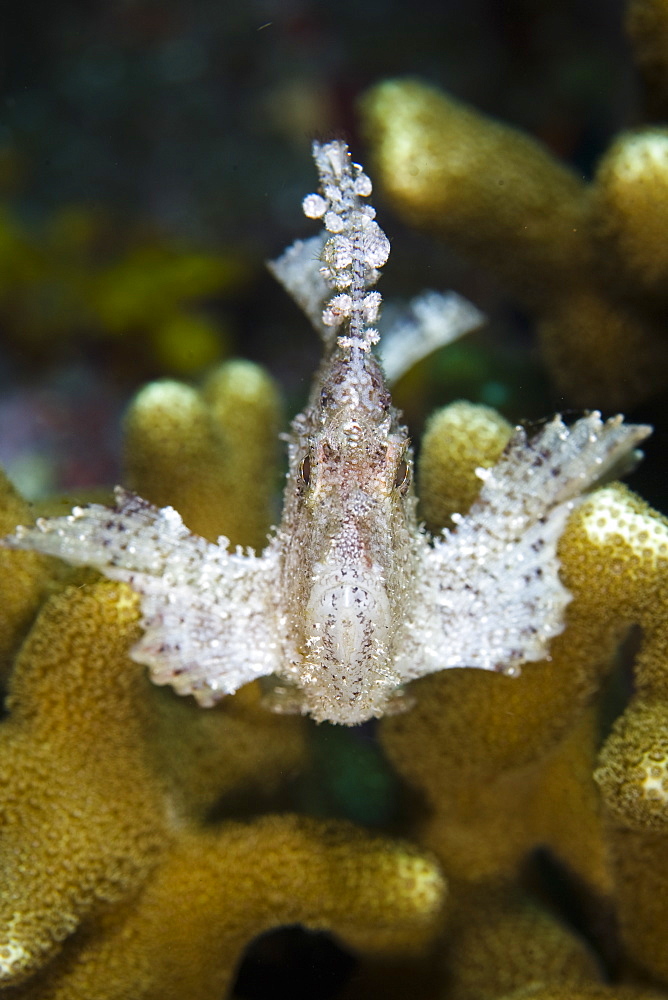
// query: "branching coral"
[[588, 261], [123, 870], [504, 768], [97, 836], [116, 880], [632, 774], [519, 723], [507, 765], [501, 942], [123, 776], [209, 454], [77, 829]]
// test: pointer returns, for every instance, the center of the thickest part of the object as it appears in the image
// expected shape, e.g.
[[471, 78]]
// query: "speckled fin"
[[490, 590], [207, 613]]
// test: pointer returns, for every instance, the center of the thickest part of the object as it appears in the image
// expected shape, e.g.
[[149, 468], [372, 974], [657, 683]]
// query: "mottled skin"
[[349, 538], [351, 598]]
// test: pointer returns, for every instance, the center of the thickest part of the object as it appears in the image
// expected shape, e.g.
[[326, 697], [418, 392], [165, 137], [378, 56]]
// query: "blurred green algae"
[[140, 297]]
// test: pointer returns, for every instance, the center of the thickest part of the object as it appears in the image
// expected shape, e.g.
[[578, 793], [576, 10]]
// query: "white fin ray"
[[351, 597], [429, 321], [299, 270], [490, 591], [207, 613]]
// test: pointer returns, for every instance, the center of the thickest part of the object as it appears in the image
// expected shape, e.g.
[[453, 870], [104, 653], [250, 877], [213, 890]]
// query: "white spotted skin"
[[348, 540], [351, 599]]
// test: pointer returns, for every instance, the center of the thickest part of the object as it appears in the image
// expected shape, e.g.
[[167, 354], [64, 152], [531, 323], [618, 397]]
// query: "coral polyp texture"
[[512, 765], [145, 843], [208, 452], [121, 875], [587, 261], [350, 599], [117, 881]]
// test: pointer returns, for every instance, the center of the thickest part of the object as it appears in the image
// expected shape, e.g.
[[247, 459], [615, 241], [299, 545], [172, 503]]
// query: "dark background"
[[141, 135]]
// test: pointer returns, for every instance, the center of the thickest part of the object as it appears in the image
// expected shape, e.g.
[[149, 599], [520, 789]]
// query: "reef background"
[[153, 155]]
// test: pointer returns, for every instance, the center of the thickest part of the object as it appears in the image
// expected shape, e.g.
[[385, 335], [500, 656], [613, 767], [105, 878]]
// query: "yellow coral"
[[23, 582], [211, 455], [95, 829], [83, 819], [501, 942], [503, 770], [629, 221], [472, 179], [628, 546], [110, 785], [117, 878], [457, 440], [580, 258], [507, 765], [216, 890], [633, 772]]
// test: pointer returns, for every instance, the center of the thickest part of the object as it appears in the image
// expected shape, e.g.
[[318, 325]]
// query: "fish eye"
[[402, 477], [305, 470], [378, 385]]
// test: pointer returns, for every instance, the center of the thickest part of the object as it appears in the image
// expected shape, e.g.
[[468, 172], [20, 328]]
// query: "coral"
[[587, 261], [631, 181], [96, 834], [118, 797], [210, 453], [632, 769], [22, 597], [499, 942], [506, 766], [465, 437], [502, 942], [122, 871], [77, 828], [141, 848]]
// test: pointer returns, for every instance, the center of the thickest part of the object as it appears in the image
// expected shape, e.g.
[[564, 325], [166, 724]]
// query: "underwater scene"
[[334, 589]]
